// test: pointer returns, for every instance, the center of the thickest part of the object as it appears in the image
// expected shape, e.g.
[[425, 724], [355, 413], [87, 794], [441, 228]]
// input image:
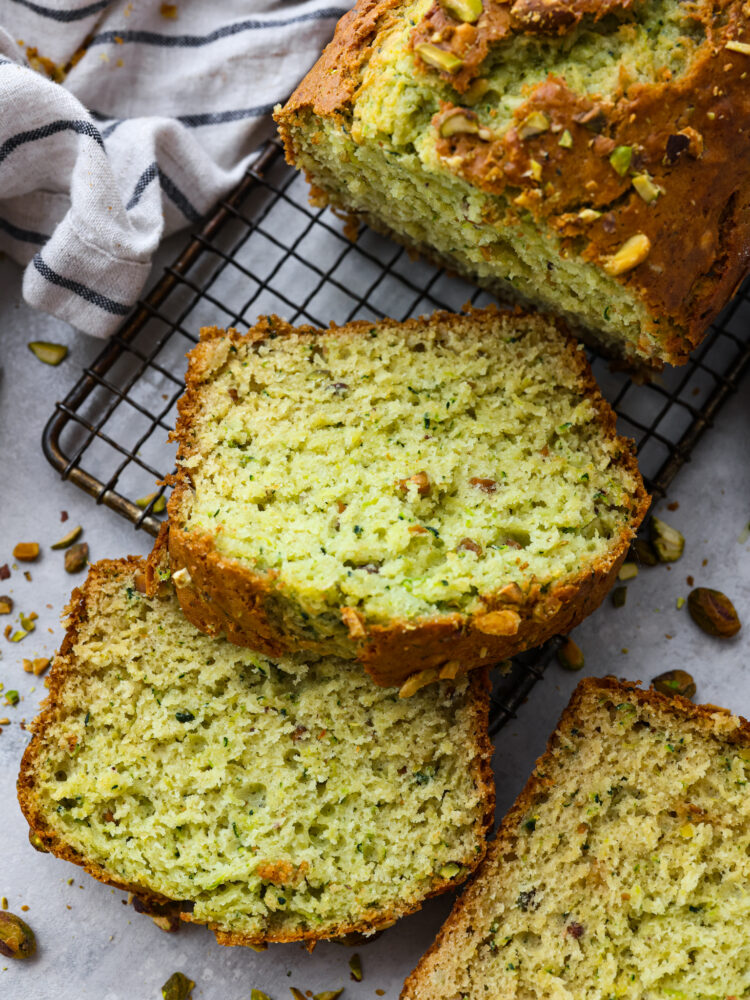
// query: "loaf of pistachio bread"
[[589, 157], [426, 496], [623, 870], [275, 800]]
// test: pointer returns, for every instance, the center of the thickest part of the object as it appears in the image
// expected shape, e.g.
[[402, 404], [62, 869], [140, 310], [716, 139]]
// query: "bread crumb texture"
[[276, 800], [622, 872], [407, 471], [527, 143]]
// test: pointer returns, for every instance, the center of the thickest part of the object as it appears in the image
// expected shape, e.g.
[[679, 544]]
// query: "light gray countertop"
[[91, 946]]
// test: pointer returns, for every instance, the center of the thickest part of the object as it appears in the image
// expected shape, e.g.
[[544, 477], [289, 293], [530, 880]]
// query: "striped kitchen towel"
[[121, 122]]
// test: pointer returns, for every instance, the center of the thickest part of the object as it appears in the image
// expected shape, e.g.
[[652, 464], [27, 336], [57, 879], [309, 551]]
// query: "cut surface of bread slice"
[[275, 801], [623, 870], [426, 496]]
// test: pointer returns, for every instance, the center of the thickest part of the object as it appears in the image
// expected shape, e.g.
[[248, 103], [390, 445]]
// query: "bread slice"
[[623, 870], [578, 155], [274, 800], [426, 496]]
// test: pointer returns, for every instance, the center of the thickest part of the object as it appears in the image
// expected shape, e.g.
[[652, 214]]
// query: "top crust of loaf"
[[684, 130], [226, 596], [148, 577], [710, 720]]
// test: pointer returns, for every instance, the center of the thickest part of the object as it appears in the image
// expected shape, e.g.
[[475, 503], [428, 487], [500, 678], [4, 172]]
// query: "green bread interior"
[[187, 766], [378, 157], [305, 448], [629, 876]]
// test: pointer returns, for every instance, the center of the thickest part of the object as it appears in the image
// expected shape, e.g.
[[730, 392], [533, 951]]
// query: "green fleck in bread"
[[622, 871], [589, 157], [274, 800], [427, 496]]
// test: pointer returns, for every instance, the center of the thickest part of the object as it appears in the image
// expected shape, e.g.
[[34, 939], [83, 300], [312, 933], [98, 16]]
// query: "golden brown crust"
[[226, 597], [64, 670], [690, 134], [502, 845]]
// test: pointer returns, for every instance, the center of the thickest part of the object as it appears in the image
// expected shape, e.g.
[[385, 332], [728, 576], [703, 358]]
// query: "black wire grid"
[[266, 250]]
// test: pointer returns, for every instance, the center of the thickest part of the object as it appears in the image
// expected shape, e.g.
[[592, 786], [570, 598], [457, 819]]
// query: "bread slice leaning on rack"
[[274, 800], [623, 870], [426, 496]]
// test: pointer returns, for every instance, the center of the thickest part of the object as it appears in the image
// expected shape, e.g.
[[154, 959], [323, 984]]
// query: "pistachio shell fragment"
[[632, 253], [159, 504], [438, 58], [68, 539], [177, 987], [468, 11], [26, 551], [713, 612], [355, 968], [50, 354], [668, 543], [620, 158], [628, 571], [533, 124], [646, 188], [16, 937], [674, 682], [459, 121], [570, 656], [76, 557]]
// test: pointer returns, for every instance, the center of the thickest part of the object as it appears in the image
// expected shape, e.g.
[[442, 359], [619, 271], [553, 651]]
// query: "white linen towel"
[[156, 116]]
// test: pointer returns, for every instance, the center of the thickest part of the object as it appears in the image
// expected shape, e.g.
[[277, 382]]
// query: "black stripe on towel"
[[96, 298], [23, 235], [169, 188], [64, 15], [66, 125]]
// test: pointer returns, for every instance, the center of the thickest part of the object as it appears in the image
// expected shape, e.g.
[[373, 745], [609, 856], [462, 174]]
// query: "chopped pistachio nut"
[[76, 557], [458, 121], [628, 571], [451, 870], [328, 994], [632, 253], [6, 605], [177, 987], [468, 11], [620, 158], [646, 188], [27, 621], [533, 124], [680, 603], [159, 504], [675, 682], [68, 539], [667, 542], [258, 995], [412, 684], [439, 58], [355, 968], [50, 354], [742, 47], [297, 994], [36, 842], [12, 697], [644, 552], [713, 612], [535, 169], [4, 903], [619, 596], [566, 140], [589, 215], [16, 636], [26, 551], [16, 937], [570, 656]]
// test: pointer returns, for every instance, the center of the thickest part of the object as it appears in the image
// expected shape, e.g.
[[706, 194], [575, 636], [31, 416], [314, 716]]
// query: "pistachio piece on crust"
[[646, 188], [504, 622], [458, 121], [439, 58], [533, 124], [463, 10], [417, 681], [632, 253]]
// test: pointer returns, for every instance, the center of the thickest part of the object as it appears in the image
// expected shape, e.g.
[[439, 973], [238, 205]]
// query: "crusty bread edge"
[[507, 832], [226, 597], [64, 667]]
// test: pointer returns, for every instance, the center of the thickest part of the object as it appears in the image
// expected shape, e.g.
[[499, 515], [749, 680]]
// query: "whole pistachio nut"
[[675, 682], [76, 557], [36, 842], [570, 656], [16, 937], [713, 612], [463, 10], [177, 987], [439, 58], [668, 543]]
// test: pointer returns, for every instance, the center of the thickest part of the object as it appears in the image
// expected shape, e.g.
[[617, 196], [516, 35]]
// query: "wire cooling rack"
[[266, 250]]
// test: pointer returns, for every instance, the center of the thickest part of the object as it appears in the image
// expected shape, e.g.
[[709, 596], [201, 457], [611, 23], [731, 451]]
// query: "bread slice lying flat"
[[275, 801], [426, 496], [623, 870]]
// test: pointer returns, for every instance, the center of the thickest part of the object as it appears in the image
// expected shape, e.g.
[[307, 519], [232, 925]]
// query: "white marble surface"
[[91, 946]]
